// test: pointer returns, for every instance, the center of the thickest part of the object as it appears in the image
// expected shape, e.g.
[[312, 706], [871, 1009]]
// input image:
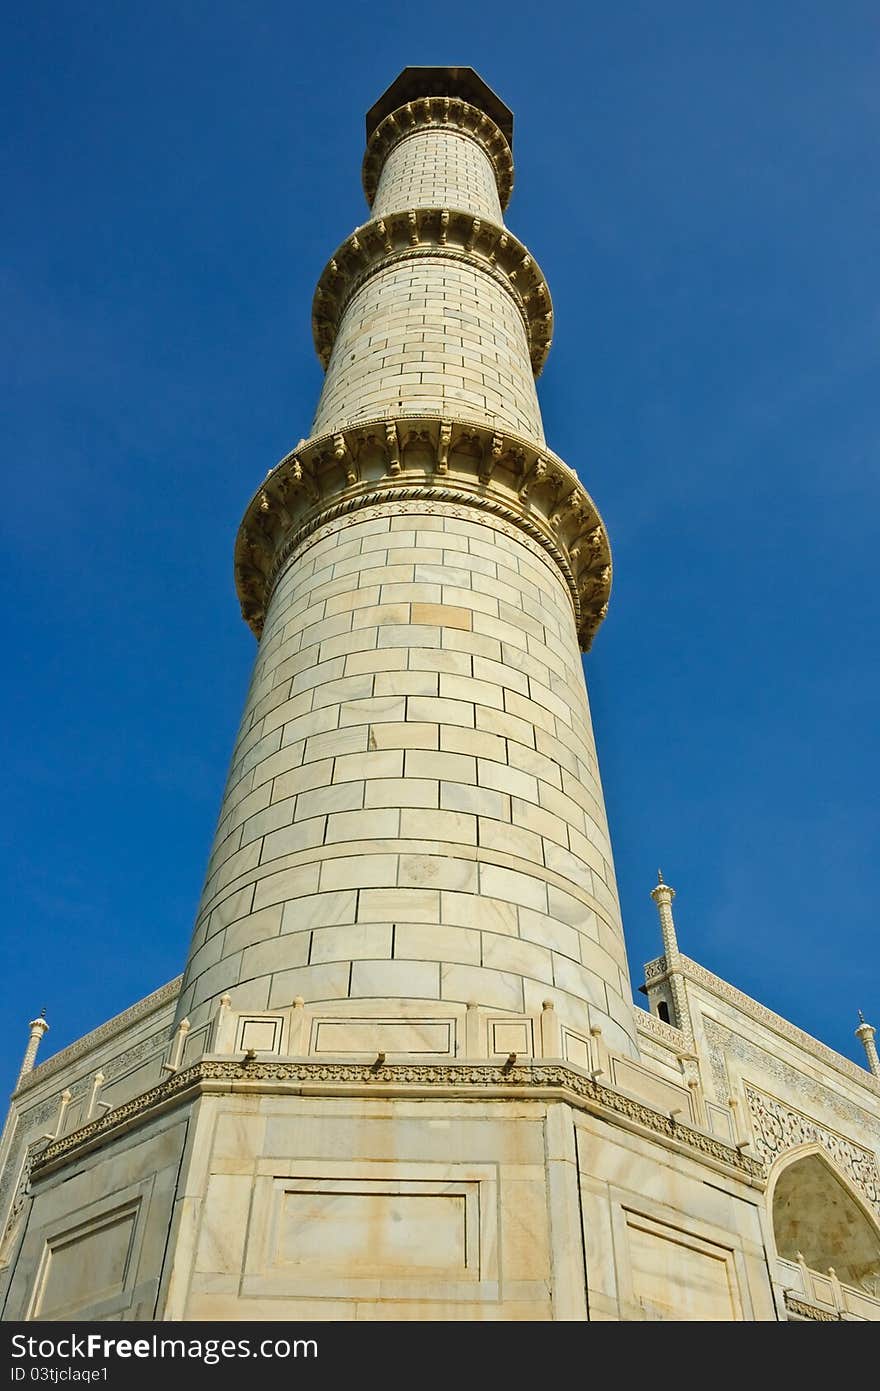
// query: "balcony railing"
[[810, 1294]]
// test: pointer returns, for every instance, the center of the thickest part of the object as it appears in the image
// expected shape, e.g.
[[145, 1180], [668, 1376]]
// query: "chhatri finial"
[[662, 891], [861, 1017]]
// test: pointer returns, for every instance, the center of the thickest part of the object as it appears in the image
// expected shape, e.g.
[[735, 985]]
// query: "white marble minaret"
[[413, 823], [403, 1076]]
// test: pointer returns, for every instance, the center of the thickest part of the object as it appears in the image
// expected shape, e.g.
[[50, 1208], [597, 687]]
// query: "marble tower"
[[403, 1075]]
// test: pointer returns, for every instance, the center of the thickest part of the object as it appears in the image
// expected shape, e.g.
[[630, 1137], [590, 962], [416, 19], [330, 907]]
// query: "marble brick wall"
[[414, 808]]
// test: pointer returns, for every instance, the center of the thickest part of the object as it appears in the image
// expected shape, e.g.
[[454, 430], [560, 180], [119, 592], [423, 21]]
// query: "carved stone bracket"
[[440, 461], [446, 232], [474, 1081], [450, 113]]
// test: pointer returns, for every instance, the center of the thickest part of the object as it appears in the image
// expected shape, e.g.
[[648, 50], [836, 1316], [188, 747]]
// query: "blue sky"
[[700, 185]]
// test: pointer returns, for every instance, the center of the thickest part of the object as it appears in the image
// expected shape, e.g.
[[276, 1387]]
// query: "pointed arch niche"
[[818, 1215]]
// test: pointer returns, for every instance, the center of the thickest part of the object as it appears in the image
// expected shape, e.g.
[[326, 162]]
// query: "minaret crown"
[[662, 892], [464, 83], [458, 136]]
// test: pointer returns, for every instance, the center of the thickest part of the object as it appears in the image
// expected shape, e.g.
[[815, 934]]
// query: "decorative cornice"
[[693, 971], [655, 970], [165, 995], [804, 1310], [445, 113], [473, 1081], [441, 462], [448, 232]]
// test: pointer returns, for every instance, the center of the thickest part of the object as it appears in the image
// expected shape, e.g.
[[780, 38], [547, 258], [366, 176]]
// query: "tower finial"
[[663, 894], [861, 1017]]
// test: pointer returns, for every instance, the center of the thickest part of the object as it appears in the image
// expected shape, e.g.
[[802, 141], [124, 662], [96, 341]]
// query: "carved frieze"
[[802, 1309], [746, 1005], [449, 113], [655, 969], [779, 1127], [32, 1116], [446, 232], [147, 1049], [659, 1030], [725, 1042], [447, 1079], [435, 461]]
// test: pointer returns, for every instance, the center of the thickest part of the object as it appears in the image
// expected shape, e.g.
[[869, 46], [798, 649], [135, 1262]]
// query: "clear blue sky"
[[700, 185]]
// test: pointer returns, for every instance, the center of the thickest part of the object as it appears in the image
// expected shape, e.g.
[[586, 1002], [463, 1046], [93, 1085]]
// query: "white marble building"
[[403, 1075]]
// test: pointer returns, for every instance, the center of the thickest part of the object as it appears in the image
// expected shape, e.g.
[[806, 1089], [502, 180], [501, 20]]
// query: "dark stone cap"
[[441, 82]]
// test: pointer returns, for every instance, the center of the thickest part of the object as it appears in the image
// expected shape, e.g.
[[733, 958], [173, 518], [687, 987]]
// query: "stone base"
[[294, 1190]]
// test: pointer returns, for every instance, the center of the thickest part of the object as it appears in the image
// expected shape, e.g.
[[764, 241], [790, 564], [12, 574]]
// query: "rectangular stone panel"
[[96, 1235], [678, 1276], [373, 1036], [86, 1264], [656, 1091], [511, 1036], [576, 1048], [263, 1034], [720, 1122], [316, 1233], [361, 1231]]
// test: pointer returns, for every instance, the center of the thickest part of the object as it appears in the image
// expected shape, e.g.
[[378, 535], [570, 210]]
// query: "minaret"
[[413, 826], [663, 894], [403, 1080]]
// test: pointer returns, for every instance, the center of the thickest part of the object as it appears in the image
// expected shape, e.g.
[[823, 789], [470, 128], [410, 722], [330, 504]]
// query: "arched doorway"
[[817, 1215]]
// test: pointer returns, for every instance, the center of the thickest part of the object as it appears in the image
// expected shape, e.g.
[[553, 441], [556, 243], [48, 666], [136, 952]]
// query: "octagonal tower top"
[[463, 83]]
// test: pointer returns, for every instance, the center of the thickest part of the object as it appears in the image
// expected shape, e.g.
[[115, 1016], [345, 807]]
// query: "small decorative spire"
[[677, 1002], [865, 1034], [662, 892], [38, 1027]]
